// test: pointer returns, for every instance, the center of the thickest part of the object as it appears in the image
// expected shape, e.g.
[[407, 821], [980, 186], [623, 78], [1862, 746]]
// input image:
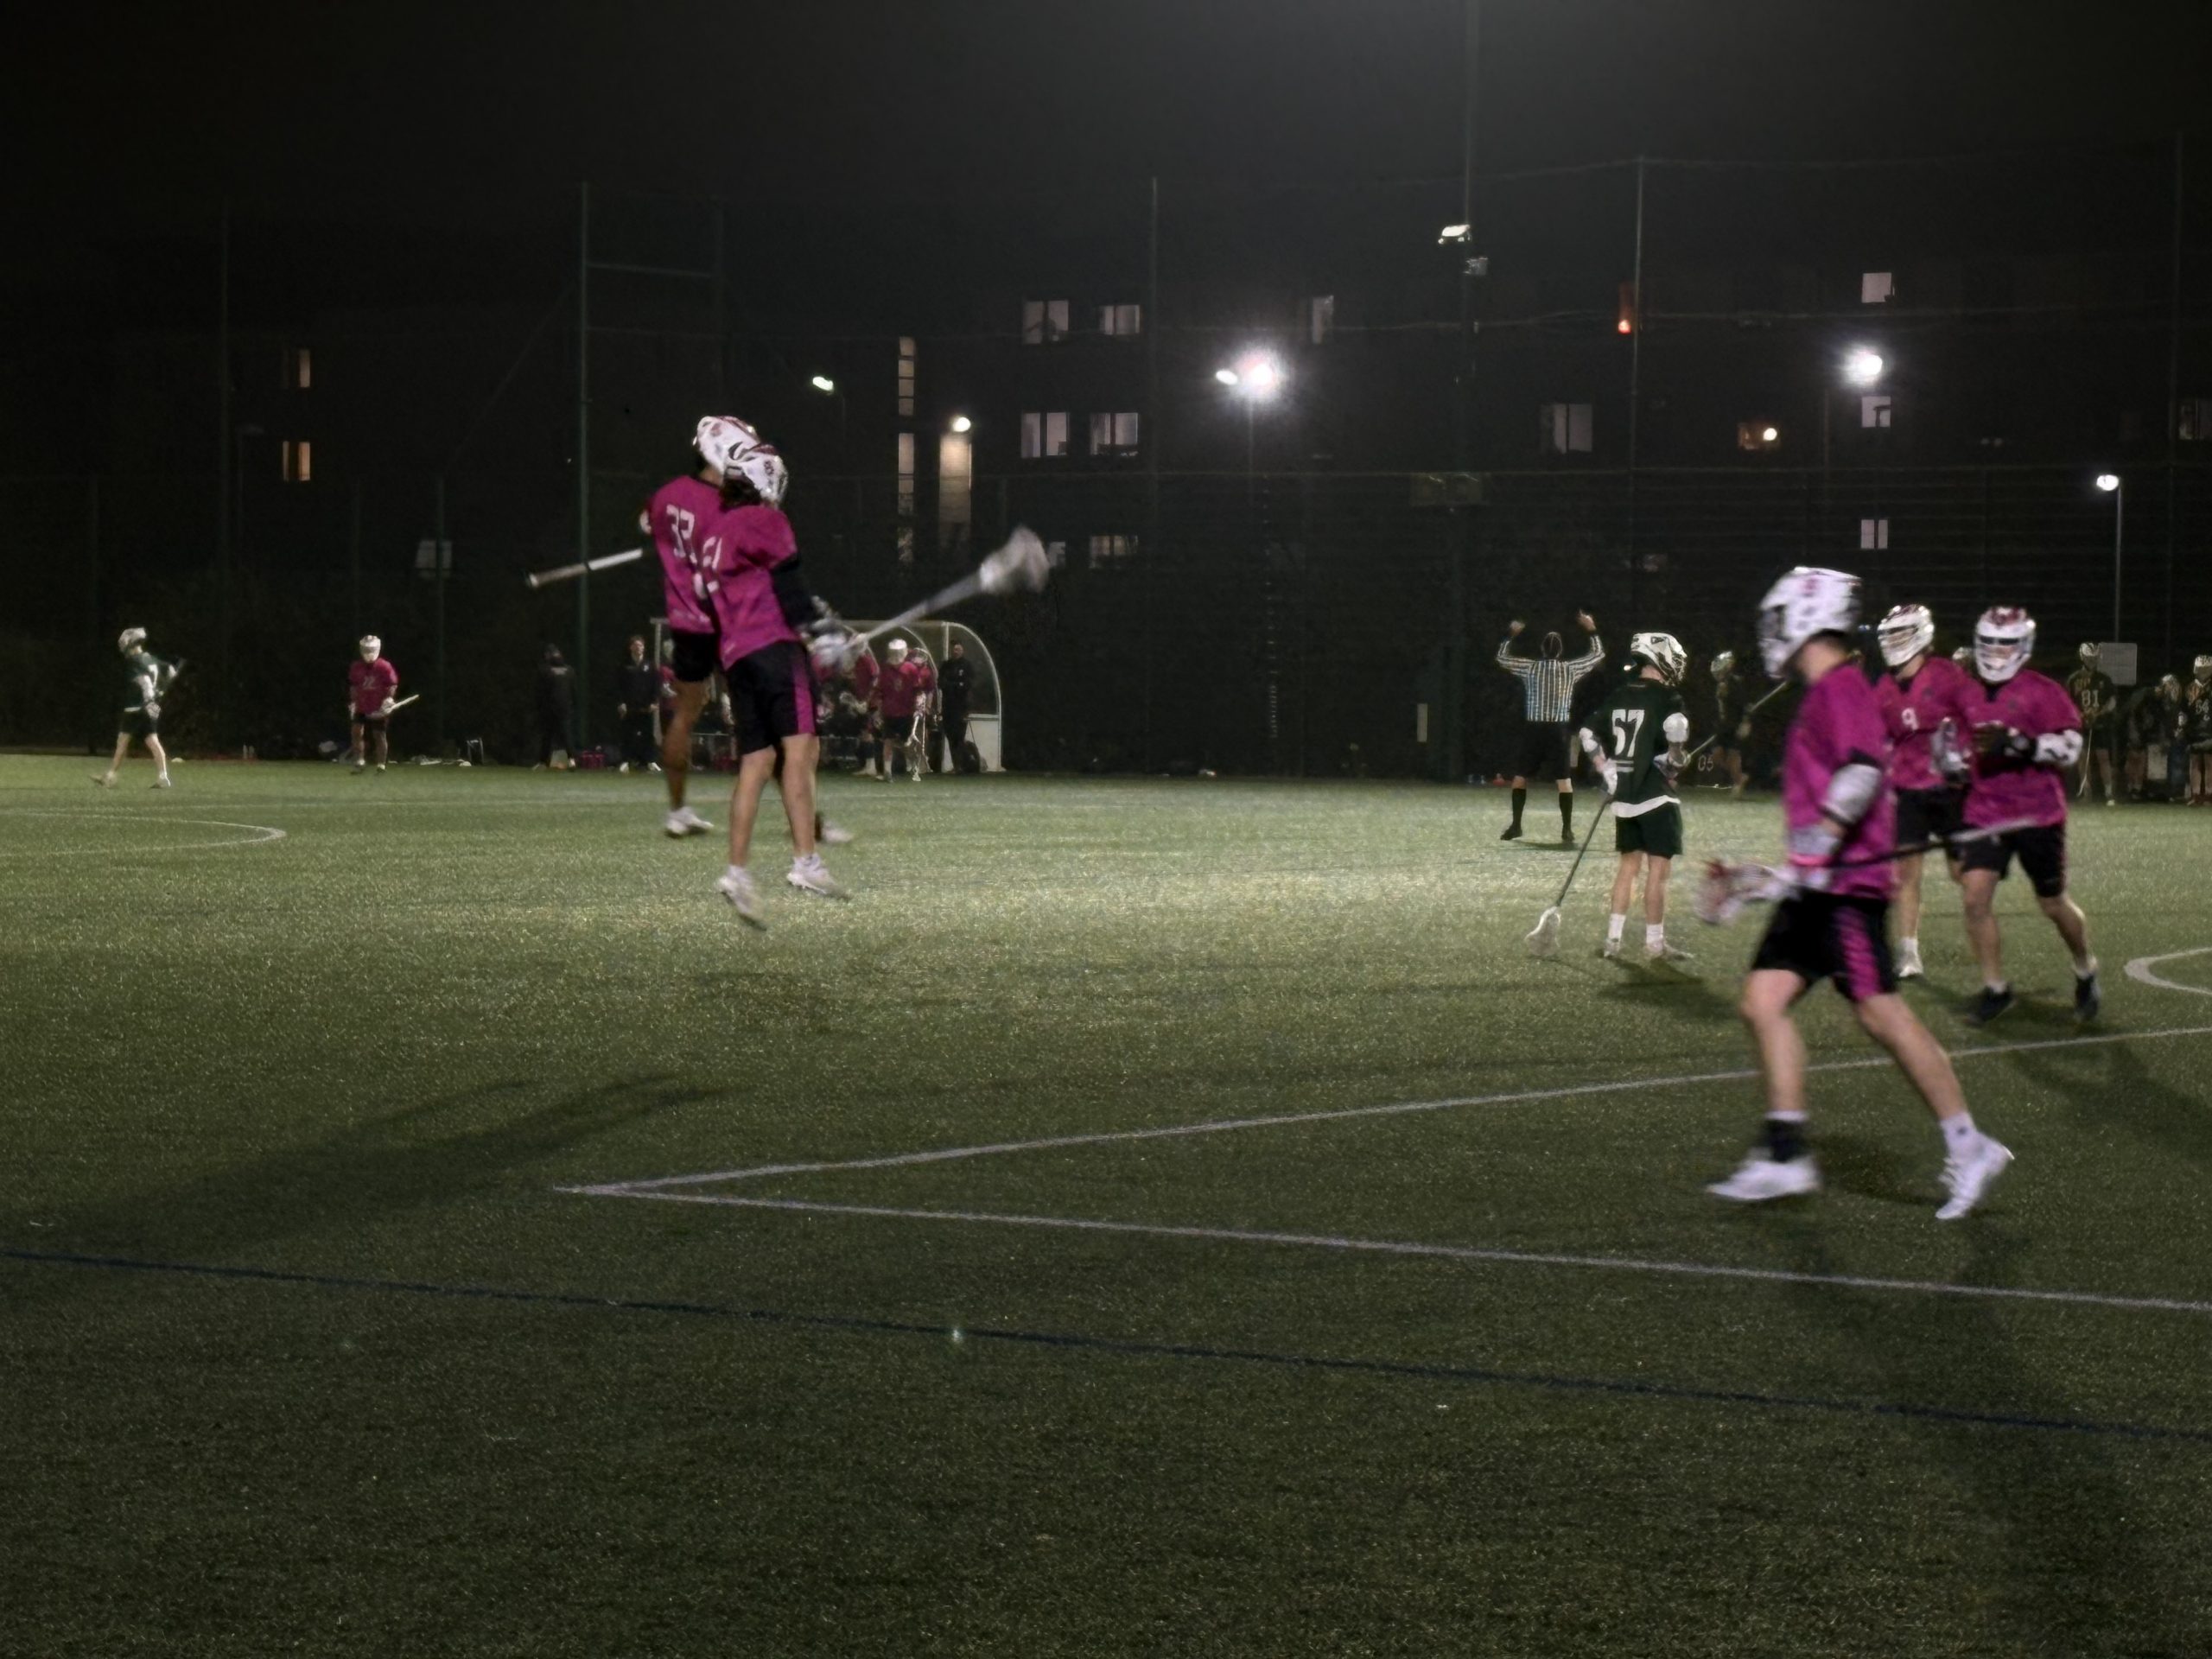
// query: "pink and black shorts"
[[1819, 936], [772, 694]]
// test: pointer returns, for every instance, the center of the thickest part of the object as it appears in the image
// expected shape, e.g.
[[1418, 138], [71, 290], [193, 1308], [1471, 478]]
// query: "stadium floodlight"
[[1863, 366], [1260, 376], [2107, 482], [1227, 377], [823, 382], [961, 422], [1451, 233], [1771, 434]]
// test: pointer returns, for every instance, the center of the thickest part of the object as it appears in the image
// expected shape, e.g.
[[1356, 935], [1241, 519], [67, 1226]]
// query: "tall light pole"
[[1862, 367], [2113, 485], [1257, 378]]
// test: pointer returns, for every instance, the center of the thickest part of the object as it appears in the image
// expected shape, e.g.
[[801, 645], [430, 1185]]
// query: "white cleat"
[[1610, 950], [684, 822], [1970, 1177], [736, 885], [833, 834], [808, 876], [1663, 952], [1759, 1178], [100, 782], [162, 782], [1909, 963]]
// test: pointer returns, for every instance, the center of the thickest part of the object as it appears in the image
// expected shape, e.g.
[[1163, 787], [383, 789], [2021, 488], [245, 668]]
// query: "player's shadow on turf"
[[357, 1179], [2111, 1088], [1868, 1169], [1671, 991]]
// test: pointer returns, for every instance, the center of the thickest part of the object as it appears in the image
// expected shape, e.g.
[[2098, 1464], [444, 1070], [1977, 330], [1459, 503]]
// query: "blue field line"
[[1128, 1347]]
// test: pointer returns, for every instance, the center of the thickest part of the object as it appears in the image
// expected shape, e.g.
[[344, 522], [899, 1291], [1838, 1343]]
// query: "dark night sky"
[[138, 112]]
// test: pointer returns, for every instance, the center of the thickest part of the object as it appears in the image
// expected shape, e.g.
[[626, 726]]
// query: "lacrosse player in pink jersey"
[[2027, 733], [677, 518], [760, 604], [1918, 695], [1832, 902]]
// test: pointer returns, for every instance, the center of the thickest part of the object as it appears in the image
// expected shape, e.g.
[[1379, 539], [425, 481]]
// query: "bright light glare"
[[1863, 367], [1771, 435], [1227, 377], [1260, 376], [824, 383], [1454, 233], [2107, 482], [961, 422]]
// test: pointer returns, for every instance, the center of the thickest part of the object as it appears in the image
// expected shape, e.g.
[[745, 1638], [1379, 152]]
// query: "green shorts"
[[1658, 832]]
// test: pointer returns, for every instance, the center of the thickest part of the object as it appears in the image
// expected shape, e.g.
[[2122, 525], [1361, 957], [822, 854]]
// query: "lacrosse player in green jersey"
[[145, 677], [1635, 739]]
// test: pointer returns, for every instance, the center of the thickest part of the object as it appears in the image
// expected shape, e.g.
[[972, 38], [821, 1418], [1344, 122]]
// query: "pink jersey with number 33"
[[678, 517]]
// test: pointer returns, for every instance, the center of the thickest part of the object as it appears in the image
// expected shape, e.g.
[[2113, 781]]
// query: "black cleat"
[[1512, 833], [1567, 837], [1990, 1005], [2088, 1001]]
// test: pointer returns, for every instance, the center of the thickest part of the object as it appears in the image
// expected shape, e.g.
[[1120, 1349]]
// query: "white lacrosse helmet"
[[371, 647], [1904, 634], [2201, 668], [2090, 653], [2003, 641], [1723, 663], [128, 637], [1664, 651], [722, 438], [1805, 602], [764, 469], [896, 650]]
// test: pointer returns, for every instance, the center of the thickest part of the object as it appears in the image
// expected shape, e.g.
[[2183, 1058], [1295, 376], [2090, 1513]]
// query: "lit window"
[[905, 474], [1114, 435], [905, 374], [1564, 429], [297, 460], [955, 473], [1110, 549], [299, 369], [1044, 321], [1320, 318], [1873, 535], [1045, 434], [1874, 409], [1877, 287], [1121, 318], [1752, 436]]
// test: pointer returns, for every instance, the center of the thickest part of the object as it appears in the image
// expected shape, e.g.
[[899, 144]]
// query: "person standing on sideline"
[[2098, 700], [954, 682], [900, 690], [1832, 899], [370, 683], [639, 685], [145, 678], [1547, 685], [556, 710]]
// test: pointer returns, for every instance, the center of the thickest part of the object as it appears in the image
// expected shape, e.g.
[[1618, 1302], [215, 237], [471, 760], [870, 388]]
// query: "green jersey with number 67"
[[1635, 726]]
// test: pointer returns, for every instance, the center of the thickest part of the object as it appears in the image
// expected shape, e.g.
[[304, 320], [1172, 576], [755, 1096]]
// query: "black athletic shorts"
[[2042, 851], [1657, 832], [136, 723], [1819, 936], [1930, 815], [772, 694], [370, 722], [694, 656], [1546, 750]]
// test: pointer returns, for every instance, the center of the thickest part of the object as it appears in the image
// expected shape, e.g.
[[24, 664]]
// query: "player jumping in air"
[[1635, 739], [1830, 918], [369, 682], [2027, 733], [1920, 692], [760, 602], [146, 678], [676, 518], [1548, 683]]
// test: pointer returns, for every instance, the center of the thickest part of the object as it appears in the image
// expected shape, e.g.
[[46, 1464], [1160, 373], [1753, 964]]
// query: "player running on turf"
[[1547, 684], [369, 682], [677, 517], [145, 678], [2026, 734], [760, 603], [1830, 918], [1635, 739], [1920, 692]]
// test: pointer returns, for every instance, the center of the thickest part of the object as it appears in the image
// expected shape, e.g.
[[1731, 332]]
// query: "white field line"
[[2140, 970], [260, 835], [1448, 1252], [1224, 1125]]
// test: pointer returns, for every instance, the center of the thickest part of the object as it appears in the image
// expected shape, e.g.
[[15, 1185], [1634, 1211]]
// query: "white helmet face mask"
[[371, 647], [2089, 654], [2003, 641], [764, 469], [1723, 663], [1662, 651], [128, 637], [1904, 634], [896, 650], [720, 439], [1809, 600]]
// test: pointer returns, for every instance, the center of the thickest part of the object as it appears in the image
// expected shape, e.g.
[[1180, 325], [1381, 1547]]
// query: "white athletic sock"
[[1999, 986], [1959, 1133], [1911, 947], [2083, 969], [734, 871], [1655, 934], [1614, 926]]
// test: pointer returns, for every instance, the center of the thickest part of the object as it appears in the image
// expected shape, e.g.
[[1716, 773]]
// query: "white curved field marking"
[[2140, 971], [256, 834]]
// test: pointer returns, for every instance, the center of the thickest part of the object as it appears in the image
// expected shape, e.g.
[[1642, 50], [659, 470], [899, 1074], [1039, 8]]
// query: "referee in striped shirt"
[[1548, 739]]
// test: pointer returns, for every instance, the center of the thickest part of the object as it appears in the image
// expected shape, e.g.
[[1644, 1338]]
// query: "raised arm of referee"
[[1548, 683]]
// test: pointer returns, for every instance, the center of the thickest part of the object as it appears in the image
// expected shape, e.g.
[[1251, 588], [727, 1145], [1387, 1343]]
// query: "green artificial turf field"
[[312, 1345]]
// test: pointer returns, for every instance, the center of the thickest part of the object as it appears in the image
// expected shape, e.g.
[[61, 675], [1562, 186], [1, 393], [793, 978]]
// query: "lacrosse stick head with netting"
[[1543, 938], [1728, 889]]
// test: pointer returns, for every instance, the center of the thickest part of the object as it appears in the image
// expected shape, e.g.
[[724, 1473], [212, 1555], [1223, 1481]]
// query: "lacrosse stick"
[[1728, 888], [1543, 938], [570, 572], [1022, 566], [403, 703]]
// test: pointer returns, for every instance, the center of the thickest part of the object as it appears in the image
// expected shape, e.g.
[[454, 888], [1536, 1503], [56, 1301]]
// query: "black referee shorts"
[[1547, 749]]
